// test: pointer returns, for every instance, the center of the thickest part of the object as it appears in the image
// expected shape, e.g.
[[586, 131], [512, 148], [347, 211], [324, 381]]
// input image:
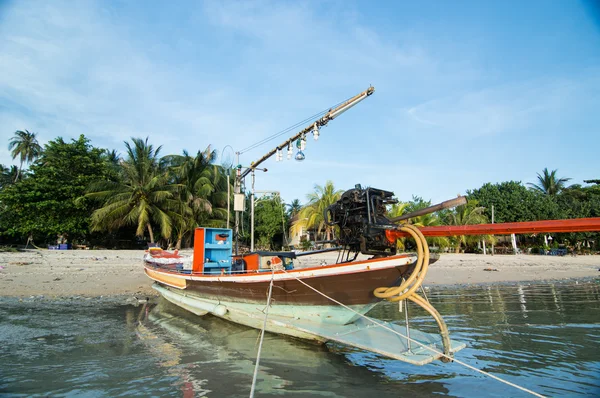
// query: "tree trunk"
[[178, 244], [150, 233], [457, 249], [18, 172]]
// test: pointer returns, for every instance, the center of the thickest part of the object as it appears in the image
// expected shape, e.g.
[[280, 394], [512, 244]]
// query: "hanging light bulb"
[[316, 131], [303, 143], [278, 156], [290, 152], [300, 156]]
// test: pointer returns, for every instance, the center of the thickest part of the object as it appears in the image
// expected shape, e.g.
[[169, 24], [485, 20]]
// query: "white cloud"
[[236, 72], [506, 109]]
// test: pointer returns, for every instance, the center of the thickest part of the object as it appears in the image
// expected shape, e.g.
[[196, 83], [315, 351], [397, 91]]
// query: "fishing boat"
[[330, 302], [323, 303]]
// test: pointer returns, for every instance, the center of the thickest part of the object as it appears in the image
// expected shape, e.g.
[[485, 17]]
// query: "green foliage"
[[469, 214], [397, 209], [143, 197], [417, 203], [294, 208], [579, 202], [270, 220], [311, 215], [8, 176], [513, 202], [44, 203], [306, 245], [198, 178], [176, 193]]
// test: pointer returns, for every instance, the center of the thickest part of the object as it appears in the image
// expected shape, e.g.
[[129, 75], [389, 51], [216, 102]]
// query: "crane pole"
[[332, 114]]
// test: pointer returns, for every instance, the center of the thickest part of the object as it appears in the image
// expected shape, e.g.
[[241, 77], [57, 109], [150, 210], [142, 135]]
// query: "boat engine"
[[360, 215]]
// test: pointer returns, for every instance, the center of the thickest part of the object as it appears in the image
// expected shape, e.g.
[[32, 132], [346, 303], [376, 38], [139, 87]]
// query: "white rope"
[[262, 336], [419, 343]]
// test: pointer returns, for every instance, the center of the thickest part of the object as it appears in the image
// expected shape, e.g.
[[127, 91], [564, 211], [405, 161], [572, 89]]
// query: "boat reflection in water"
[[209, 356], [104, 348]]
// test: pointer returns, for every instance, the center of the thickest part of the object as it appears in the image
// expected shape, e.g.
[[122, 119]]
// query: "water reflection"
[[543, 337], [288, 365]]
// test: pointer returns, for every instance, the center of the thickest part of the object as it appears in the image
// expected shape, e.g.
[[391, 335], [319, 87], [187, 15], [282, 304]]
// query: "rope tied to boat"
[[407, 289], [427, 347], [262, 335]]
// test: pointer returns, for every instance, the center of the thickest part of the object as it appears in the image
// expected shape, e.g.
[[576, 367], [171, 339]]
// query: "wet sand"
[[96, 273]]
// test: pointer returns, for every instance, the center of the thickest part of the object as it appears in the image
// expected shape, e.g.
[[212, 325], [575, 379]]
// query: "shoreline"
[[84, 274]]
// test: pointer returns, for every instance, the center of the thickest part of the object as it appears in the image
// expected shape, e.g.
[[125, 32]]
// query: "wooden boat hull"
[[298, 305], [350, 284]]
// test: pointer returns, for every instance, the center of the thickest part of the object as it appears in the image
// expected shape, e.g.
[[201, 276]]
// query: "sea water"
[[544, 337]]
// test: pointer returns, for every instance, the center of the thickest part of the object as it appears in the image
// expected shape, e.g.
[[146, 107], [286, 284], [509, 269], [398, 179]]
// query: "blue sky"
[[466, 92]]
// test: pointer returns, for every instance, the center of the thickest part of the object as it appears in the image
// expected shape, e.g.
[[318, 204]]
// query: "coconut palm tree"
[[294, 208], [7, 175], [113, 163], [549, 183], [143, 197], [397, 209], [311, 215], [426, 220], [24, 145], [468, 214], [204, 191]]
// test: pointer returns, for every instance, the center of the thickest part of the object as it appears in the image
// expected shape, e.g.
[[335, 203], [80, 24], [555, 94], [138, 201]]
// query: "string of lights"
[[288, 129]]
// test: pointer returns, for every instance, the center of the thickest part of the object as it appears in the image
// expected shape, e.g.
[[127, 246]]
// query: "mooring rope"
[[262, 336], [418, 342]]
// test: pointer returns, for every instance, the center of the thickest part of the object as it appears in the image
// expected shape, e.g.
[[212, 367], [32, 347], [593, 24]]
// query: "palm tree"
[[311, 215], [468, 214], [143, 197], [294, 208], [8, 176], [549, 183], [203, 193], [397, 209], [25, 145], [426, 220]]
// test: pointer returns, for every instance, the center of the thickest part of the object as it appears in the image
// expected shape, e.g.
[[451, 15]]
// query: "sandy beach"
[[95, 273]]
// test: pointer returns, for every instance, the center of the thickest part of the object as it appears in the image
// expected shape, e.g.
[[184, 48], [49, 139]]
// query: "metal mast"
[[314, 126]]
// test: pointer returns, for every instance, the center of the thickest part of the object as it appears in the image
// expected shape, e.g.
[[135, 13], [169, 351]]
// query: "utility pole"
[[252, 215], [492, 223]]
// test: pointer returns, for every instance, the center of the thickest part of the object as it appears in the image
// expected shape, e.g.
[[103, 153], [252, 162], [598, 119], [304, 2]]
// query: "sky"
[[466, 92]]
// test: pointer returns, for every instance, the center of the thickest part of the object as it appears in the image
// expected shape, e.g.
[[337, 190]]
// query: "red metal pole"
[[527, 227]]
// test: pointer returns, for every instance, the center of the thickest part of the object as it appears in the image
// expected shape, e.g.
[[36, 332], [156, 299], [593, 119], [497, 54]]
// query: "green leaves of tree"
[[44, 203]]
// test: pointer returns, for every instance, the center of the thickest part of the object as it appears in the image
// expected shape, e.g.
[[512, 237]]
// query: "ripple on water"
[[543, 337]]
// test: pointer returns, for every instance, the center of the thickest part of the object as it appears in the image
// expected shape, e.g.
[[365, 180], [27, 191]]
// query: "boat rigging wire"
[[288, 129], [262, 335], [421, 252]]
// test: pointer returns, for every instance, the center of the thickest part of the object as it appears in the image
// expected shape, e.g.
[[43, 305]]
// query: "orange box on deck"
[[251, 260]]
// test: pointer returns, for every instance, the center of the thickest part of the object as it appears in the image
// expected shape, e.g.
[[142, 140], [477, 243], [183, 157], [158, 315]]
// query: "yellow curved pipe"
[[438, 318], [418, 273], [407, 289]]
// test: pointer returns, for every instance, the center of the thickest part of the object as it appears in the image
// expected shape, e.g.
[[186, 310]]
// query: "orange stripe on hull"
[[170, 280]]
